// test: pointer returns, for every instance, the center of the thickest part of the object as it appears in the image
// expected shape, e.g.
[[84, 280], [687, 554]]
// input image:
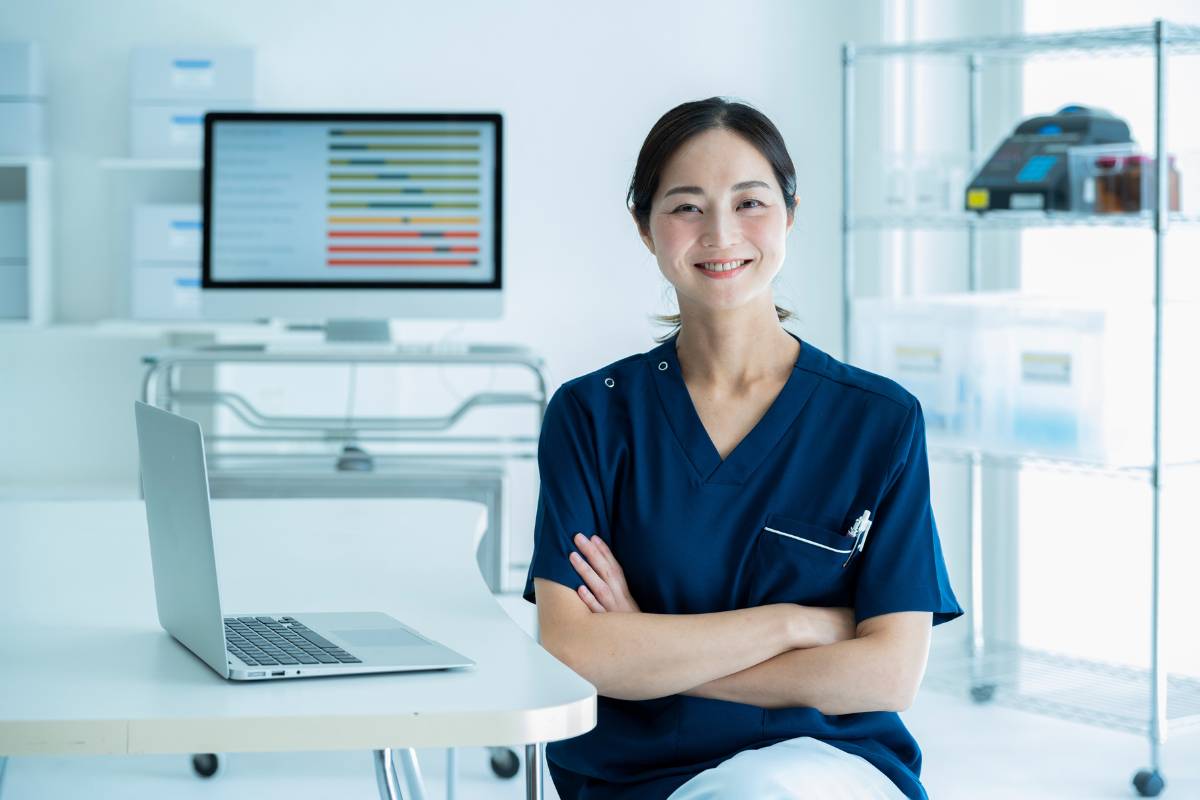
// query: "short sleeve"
[[570, 498], [902, 566]]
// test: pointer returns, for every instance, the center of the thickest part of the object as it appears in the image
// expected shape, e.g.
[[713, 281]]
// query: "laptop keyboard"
[[268, 641]]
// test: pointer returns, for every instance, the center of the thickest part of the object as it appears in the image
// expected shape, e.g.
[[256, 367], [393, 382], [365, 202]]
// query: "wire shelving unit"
[[1109, 695]]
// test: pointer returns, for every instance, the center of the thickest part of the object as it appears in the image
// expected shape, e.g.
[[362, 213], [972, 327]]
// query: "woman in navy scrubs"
[[734, 540]]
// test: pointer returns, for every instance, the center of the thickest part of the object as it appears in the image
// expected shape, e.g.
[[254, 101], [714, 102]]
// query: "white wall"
[[580, 85]]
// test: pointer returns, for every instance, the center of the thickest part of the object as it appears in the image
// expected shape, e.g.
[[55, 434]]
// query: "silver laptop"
[[255, 646]]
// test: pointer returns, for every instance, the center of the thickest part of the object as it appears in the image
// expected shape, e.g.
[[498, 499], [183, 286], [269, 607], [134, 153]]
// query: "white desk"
[[88, 670]]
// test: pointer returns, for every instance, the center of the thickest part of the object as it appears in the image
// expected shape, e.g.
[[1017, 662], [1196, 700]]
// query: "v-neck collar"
[[681, 414]]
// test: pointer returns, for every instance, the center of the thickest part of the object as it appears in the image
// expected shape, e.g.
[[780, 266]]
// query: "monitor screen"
[[352, 201]]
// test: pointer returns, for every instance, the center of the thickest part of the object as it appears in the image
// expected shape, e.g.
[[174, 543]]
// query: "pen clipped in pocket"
[[799, 562]]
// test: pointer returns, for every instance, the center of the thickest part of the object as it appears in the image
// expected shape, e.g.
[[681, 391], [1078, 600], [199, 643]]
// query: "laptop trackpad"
[[379, 637]]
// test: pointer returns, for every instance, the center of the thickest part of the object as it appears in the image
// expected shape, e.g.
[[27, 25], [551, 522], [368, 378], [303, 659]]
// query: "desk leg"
[[533, 771], [451, 773], [385, 776], [412, 773]]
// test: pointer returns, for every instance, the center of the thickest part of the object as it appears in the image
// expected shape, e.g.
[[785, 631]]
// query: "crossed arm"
[[773, 656]]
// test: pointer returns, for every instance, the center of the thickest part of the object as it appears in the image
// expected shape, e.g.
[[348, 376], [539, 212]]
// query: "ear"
[[642, 234], [791, 214]]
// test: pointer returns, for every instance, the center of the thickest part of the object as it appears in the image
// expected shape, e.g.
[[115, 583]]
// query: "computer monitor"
[[323, 216]]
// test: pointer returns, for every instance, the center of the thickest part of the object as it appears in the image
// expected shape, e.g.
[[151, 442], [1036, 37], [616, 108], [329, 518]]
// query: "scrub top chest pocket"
[[797, 562]]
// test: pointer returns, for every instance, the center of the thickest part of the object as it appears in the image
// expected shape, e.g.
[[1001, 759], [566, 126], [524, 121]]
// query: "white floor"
[[971, 752]]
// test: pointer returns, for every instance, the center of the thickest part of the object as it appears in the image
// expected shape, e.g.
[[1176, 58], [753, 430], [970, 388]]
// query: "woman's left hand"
[[604, 586]]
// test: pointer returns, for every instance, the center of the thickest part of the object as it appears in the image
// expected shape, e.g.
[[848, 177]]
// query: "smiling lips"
[[723, 269]]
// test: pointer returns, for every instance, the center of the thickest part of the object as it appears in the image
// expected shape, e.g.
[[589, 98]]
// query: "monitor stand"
[[355, 459], [356, 331], [349, 331]]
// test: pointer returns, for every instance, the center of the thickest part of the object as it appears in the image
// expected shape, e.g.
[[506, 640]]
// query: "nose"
[[721, 229]]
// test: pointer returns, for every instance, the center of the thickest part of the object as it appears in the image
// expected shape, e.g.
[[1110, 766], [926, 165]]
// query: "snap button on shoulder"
[[662, 365], [609, 382]]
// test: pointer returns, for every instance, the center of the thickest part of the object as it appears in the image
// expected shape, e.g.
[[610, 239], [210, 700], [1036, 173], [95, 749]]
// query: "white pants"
[[798, 769]]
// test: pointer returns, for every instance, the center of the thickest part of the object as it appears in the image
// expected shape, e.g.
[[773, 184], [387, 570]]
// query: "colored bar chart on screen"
[[419, 184]]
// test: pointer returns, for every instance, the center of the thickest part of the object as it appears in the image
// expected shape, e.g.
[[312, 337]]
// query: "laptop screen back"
[[175, 484]]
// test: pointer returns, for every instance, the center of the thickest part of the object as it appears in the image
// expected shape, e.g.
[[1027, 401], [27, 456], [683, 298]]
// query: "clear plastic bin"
[[1020, 375], [1041, 381], [1129, 383], [1085, 164], [1116, 179], [927, 346], [1076, 379], [918, 183]]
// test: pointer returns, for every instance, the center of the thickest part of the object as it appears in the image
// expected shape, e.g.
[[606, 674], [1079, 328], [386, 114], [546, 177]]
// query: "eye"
[[681, 207], [757, 204]]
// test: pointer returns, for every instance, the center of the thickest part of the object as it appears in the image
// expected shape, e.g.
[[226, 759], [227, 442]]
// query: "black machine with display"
[[1028, 171]]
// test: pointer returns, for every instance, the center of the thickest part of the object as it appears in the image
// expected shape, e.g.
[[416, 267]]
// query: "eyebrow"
[[737, 187]]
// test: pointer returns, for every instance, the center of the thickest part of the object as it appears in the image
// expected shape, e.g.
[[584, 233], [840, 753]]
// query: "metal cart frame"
[[1003, 672], [437, 471]]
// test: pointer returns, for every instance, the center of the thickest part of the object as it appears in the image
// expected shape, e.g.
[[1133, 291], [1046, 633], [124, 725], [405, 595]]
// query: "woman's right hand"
[[604, 587]]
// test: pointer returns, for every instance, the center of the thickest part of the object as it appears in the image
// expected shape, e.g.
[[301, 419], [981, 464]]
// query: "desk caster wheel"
[[1148, 783], [505, 762], [983, 693], [206, 765]]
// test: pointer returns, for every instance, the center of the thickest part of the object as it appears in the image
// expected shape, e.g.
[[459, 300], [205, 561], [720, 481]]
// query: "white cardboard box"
[[22, 127], [166, 131], [181, 75], [14, 231], [167, 233], [14, 290], [22, 72], [163, 292]]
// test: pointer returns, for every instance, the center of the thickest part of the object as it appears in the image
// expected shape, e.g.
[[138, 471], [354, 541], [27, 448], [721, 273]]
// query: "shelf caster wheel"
[[206, 765], [983, 693], [1148, 783], [505, 762]]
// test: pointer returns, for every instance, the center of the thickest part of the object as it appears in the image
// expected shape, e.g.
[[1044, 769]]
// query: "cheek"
[[768, 232], [672, 236]]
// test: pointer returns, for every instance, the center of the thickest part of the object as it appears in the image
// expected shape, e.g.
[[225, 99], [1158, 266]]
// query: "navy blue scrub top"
[[624, 454]]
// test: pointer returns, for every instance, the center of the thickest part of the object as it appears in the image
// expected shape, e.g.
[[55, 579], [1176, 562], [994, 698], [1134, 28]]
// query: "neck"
[[734, 352]]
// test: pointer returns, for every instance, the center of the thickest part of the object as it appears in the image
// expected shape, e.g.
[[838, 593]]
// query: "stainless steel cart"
[[1103, 694], [436, 461]]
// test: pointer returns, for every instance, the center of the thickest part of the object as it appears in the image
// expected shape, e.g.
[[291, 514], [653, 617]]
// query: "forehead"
[[715, 159]]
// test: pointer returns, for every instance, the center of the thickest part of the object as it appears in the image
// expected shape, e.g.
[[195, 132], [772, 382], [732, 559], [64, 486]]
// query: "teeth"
[[713, 266]]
